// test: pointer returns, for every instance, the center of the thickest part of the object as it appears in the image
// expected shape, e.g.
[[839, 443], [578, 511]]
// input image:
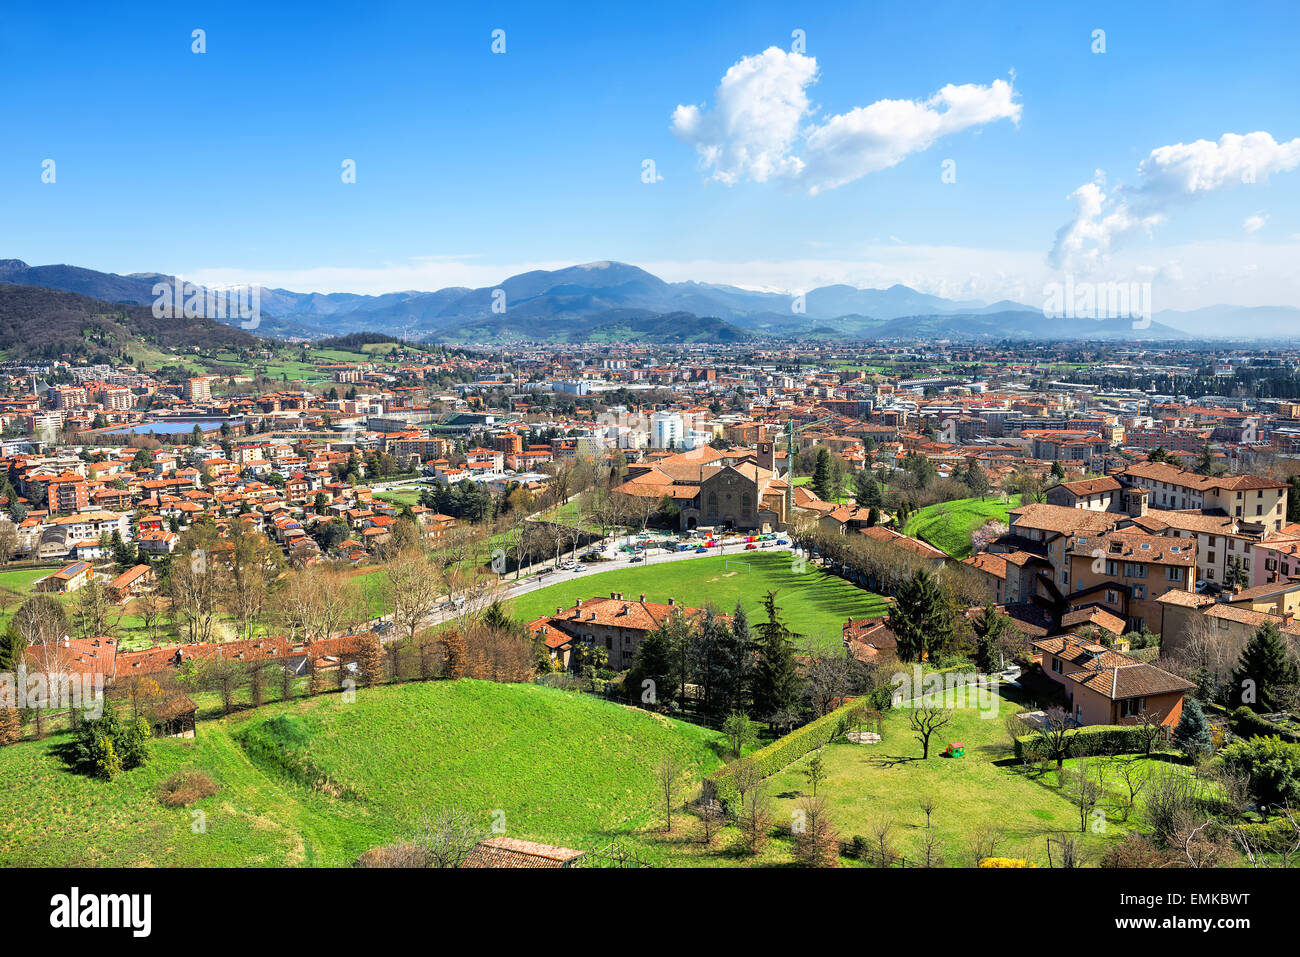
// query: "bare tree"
[[925, 721], [666, 773], [1053, 734], [881, 829], [927, 804], [815, 840], [755, 819], [931, 850], [983, 843], [413, 590], [446, 836]]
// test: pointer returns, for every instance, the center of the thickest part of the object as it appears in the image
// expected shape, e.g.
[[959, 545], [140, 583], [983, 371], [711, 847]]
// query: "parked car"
[[751, 545]]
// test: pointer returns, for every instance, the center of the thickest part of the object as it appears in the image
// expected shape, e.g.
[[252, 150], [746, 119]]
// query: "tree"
[[1264, 670], [1053, 732], [92, 610], [776, 683], [649, 682], [925, 721], [666, 773], [106, 746], [1192, 736], [822, 477], [921, 619], [989, 627], [739, 731], [445, 837], [816, 770], [413, 588], [754, 819], [8, 541], [1082, 791], [1271, 766], [815, 839], [866, 490]]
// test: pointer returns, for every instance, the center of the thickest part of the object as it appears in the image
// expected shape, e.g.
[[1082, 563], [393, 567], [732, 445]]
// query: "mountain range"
[[611, 301]]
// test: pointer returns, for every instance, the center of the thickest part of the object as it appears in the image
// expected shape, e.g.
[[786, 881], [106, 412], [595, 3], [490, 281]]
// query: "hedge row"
[[786, 750], [1247, 724], [1085, 742]]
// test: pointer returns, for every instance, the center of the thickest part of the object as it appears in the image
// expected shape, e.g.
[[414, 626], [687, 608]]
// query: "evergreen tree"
[[1263, 671], [652, 665], [822, 480], [988, 627], [776, 683], [922, 618], [866, 490], [12, 647], [746, 659], [1192, 736]]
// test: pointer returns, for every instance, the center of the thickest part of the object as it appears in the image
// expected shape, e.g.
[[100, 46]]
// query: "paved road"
[[538, 580]]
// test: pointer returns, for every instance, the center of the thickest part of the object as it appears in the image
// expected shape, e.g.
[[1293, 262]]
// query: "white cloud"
[[755, 119], [1169, 175], [868, 139], [1255, 223], [761, 125]]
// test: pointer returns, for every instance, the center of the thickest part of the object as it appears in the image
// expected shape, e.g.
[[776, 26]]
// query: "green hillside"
[[318, 781]]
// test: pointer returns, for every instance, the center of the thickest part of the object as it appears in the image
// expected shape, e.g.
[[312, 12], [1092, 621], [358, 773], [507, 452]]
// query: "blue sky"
[[472, 165]]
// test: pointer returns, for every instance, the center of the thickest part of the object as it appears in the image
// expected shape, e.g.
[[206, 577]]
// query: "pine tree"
[[1263, 670], [1192, 736], [866, 490], [776, 683], [921, 619]]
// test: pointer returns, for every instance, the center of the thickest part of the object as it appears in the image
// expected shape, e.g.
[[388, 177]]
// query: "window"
[[1132, 707], [1112, 597], [1056, 666], [1174, 574]]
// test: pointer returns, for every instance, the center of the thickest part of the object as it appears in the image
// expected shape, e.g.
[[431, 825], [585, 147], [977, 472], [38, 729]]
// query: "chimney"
[[672, 601], [579, 603], [643, 596], [558, 609]]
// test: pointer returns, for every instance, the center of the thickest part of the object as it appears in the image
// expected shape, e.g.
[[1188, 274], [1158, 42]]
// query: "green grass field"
[[813, 603], [948, 525], [316, 782], [870, 783]]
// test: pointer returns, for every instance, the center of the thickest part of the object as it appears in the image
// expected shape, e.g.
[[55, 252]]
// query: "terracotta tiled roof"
[[512, 852]]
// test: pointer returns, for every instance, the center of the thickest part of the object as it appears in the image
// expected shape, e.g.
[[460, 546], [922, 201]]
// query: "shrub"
[[184, 788], [1085, 743], [1247, 724], [1005, 862]]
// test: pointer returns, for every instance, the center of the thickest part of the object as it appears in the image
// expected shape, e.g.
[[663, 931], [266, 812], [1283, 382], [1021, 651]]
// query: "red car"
[[750, 545]]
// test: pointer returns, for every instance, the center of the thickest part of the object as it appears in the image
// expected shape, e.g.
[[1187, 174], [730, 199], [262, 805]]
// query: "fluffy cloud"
[[761, 125], [1168, 176], [1255, 223]]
